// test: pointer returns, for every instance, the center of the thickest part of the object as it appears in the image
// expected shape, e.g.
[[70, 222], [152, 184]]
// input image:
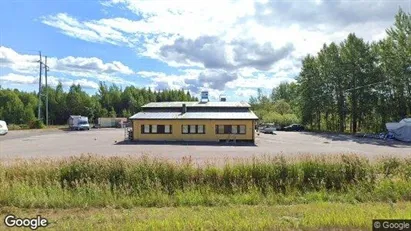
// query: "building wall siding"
[[177, 135]]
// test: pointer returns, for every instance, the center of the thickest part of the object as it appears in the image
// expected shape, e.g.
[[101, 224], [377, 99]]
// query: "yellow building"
[[194, 121]]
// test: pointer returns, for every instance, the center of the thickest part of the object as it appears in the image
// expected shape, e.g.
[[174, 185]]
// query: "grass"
[[90, 181], [277, 193], [326, 216], [13, 127]]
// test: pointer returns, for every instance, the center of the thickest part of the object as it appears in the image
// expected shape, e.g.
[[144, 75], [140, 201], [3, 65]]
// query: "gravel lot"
[[56, 144]]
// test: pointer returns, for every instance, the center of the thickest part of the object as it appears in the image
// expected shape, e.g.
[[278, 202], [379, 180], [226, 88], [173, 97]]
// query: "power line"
[[408, 69], [356, 88]]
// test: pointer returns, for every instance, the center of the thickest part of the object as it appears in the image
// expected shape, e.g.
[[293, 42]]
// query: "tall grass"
[[126, 182]]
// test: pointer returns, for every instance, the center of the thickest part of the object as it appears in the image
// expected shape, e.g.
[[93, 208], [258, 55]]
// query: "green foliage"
[[112, 113], [305, 216], [17, 126], [28, 114], [354, 85], [36, 124], [276, 109], [143, 181], [282, 107], [125, 113], [110, 101]]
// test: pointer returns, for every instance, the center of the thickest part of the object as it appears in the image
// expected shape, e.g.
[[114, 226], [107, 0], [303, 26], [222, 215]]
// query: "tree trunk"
[[319, 120], [341, 112], [327, 124]]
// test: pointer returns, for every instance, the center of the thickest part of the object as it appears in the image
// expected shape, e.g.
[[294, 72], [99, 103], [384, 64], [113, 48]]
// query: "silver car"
[[268, 130]]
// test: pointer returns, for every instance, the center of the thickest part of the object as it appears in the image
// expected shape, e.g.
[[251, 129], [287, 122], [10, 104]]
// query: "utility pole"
[[46, 69], [39, 104]]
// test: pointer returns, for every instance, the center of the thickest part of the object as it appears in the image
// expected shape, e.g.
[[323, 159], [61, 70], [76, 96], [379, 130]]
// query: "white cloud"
[[90, 31], [91, 67], [262, 80], [18, 62], [51, 80], [245, 92], [244, 41], [82, 82], [18, 79]]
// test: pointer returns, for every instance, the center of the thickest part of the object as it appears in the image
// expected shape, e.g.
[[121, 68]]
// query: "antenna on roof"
[[204, 97]]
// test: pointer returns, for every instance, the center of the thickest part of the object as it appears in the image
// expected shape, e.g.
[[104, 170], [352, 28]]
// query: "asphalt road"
[[57, 144]]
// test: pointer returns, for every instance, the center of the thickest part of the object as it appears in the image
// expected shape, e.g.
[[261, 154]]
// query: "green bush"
[[17, 126], [14, 127], [36, 124]]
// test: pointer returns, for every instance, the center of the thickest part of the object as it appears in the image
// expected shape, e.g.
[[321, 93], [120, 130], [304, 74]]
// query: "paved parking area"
[[56, 144]]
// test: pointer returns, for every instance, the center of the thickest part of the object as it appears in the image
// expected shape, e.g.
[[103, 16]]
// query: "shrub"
[[36, 124], [14, 127]]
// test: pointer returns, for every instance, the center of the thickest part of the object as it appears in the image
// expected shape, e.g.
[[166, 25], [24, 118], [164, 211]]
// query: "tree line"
[[352, 86], [21, 107]]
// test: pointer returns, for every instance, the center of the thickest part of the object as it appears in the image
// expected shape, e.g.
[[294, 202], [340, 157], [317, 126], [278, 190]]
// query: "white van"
[[3, 128], [78, 122]]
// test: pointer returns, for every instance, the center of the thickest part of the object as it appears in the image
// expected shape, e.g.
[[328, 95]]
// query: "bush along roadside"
[[33, 124], [127, 182]]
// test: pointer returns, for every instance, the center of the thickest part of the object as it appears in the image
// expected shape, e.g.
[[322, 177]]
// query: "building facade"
[[194, 121]]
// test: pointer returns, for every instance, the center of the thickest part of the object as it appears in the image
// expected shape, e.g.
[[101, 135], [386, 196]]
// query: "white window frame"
[[220, 129], [146, 128], [234, 129], [154, 128], [200, 129], [243, 129], [192, 129], [167, 129]]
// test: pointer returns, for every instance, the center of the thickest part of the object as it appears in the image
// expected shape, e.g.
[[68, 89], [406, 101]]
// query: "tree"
[[112, 113], [282, 107], [309, 91]]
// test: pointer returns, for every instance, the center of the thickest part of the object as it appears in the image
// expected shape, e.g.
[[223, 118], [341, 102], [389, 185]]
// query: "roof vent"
[[223, 98], [204, 97]]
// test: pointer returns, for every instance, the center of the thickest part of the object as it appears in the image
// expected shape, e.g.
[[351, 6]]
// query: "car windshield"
[[83, 122]]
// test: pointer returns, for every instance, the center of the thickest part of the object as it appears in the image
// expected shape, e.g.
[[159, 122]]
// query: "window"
[[234, 129], [242, 129], [153, 128], [146, 128], [230, 129], [193, 129], [220, 129], [200, 129], [156, 129], [185, 129], [167, 129]]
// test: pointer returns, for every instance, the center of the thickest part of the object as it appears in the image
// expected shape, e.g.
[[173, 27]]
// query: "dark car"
[[294, 127]]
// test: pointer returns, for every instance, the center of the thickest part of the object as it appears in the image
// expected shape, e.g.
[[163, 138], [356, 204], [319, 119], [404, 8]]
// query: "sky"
[[224, 47]]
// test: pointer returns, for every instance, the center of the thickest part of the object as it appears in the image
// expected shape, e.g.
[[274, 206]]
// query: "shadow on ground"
[[187, 143], [360, 139]]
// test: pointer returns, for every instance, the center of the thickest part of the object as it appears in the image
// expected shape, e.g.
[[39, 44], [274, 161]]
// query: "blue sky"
[[225, 47]]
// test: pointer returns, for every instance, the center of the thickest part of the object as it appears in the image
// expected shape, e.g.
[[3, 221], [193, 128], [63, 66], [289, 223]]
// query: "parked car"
[[3, 128], [268, 130], [294, 127]]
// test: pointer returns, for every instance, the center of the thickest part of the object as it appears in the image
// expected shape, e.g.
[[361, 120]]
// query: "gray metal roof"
[[197, 104], [195, 115]]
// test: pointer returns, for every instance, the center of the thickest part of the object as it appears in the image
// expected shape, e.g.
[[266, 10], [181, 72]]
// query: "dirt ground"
[[108, 142]]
